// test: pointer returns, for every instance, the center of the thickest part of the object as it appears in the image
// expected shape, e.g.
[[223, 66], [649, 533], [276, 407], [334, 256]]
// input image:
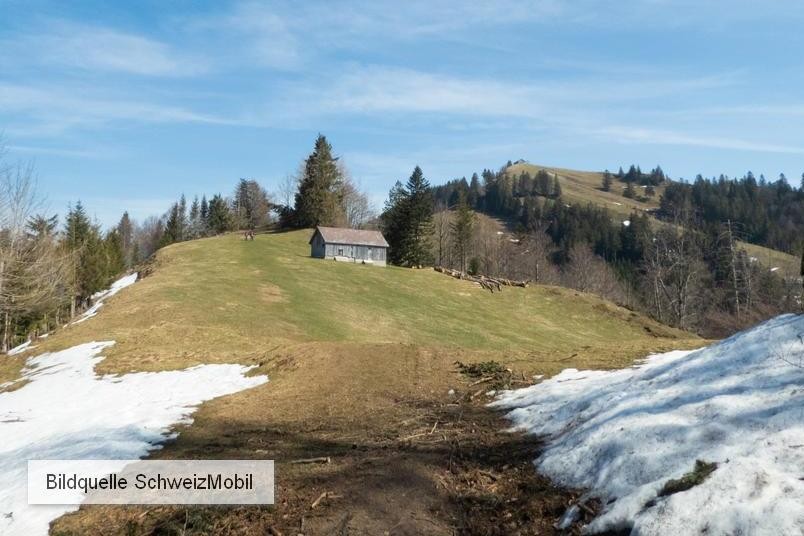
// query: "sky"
[[127, 105]]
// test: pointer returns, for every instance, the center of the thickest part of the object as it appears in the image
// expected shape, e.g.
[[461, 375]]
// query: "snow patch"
[[623, 434], [21, 348], [99, 297], [626, 223], [66, 411]]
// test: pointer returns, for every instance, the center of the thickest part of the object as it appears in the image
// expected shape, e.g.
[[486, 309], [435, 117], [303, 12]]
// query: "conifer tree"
[[204, 210], [407, 221], [89, 269], [172, 231], [461, 230], [556, 187], [475, 193], [629, 191], [419, 227], [194, 219], [219, 219], [126, 231], [318, 200], [607, 180], [40, 226], [394, 219], [114, 252]]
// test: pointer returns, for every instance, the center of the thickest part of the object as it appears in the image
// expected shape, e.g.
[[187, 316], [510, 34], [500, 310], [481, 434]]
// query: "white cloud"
[[666, 137], [57, 109], [106, 49], [66, 152], [377, 90]]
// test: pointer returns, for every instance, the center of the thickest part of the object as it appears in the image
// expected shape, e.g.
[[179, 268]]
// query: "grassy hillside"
[[361, 362], [224, 298], [585, 187]]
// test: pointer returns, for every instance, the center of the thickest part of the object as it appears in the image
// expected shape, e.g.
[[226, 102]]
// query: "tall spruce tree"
[[219, 218], [83, 241], [556, 187], [418, 250], [194, 219], [461, 230], [393, 220], [474, 191], [318, 200], [607, 180], [407, 221], [173, 226], [126, 230], [114, 252]]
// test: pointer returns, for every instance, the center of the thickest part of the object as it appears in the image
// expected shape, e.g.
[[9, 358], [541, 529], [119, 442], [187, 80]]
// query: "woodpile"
[[489, 283]]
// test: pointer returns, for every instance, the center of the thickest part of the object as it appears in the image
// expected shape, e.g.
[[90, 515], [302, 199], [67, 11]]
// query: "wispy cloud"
[[256, 35], [54, 110], [65, 152], [98, 48], [666, 137], [379, 89]]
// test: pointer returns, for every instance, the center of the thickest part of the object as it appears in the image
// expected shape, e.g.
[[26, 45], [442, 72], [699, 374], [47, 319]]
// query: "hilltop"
[[362, 368], [585, 187]]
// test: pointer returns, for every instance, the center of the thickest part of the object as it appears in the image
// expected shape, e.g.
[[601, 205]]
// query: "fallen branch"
[[325, 495], [321, 459], [414, 436], [482, 380]]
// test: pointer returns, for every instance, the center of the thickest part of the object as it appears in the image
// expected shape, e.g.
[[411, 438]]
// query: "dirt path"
[[407, 456]]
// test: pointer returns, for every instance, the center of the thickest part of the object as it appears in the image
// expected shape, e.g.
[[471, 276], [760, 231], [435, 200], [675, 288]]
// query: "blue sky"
[[125, 105]]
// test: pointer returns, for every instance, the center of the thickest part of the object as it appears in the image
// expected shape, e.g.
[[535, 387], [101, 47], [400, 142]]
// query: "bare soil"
[[406, 456]]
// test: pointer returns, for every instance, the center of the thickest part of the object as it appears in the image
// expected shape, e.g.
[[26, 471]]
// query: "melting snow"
[[21, 348], [99, 297], [65, 411], [622, 434]]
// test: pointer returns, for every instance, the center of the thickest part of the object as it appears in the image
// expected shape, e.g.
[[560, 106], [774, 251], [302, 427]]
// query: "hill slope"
[[223, 298], [585, 187], [361, 365]]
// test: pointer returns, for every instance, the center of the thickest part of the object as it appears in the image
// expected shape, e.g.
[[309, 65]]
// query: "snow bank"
[[623, 434], [65, 411], [21, 348], [99, 297]]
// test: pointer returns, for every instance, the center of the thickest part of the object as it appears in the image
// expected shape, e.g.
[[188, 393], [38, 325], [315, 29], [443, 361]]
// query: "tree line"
[[769, 213], [693, 274]]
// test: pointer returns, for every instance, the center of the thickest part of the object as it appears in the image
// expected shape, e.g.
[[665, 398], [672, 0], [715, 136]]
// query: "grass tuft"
[[695, 477]]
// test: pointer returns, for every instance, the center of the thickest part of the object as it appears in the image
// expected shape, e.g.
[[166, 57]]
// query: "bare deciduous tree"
[[32, 266], [441, 242], [675, 273]]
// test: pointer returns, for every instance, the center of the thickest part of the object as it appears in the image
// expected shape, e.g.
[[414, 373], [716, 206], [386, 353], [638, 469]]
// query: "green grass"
[[224, 299]]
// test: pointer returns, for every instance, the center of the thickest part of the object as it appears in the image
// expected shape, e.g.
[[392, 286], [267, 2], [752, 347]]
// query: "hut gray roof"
[[359, 237]]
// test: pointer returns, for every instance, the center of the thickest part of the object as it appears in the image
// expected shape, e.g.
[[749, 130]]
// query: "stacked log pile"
[[489, 283]]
